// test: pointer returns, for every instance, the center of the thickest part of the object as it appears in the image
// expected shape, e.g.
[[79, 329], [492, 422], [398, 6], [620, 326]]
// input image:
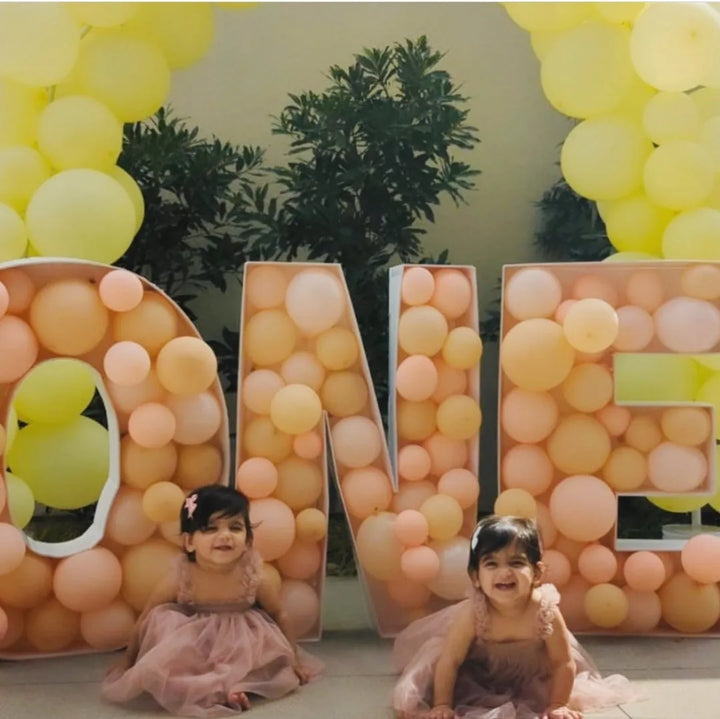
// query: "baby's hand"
[[441, 711], [562, 712]]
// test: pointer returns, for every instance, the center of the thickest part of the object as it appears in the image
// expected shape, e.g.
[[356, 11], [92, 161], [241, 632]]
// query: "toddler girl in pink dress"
[[504, 653], [213, 632]]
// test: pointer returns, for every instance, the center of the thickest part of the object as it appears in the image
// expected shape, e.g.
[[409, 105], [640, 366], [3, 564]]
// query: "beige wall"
[[262, 54]]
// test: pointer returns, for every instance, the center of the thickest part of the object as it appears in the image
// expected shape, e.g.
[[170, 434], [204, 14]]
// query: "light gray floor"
[[680, 676]]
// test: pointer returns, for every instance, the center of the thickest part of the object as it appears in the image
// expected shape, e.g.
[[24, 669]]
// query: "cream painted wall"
[[262, 54]]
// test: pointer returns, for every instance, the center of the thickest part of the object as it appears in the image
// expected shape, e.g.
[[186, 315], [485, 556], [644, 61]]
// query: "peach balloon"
[[532, 292], [265, 286], [643, 433], [459, 417], [407, 594], [516, 503], [142, 565], [295, 409], [625, 469], [644, 571], [444, 516], [591, 325], [562, 309], [686, 425], [198, 417], [20, 348], [688, 606], [569, 548], [684, 324], [12, 547], [127, 524], [453, 293], [273, 527], [89, 580], [303, 605], [417, 286], [337, 348], [258, 389], [186, 365], [615, 419], [15, 626], [676, 467], [579, 445], [356, 441], [271, 576], [3, 624], [526, 466], [413, 462], [411, 527], [152, 425], [126, 399], [142, 466], [597, 564], [422, 330], [545, 525], [198, 465], [445, 453], [644, 612], [557, 567], [162, 501], [583, 508], [411, 495], [308, 445], [416, 378], [460, 484], [171, 532], [419, 564], [270, 337], [303, 368], [152, 324], [606, 605], [311, 525], [700, 558], [528, 416], [701, 282], [593, 286], [262, 439], [68, 317], [120, 290], [315, 301], [635, 329], [416, 421], [452, 581], [588, 387], [449, 380], [536, 355], [52, 627], [256, 477], [300, 483], [28, 585], [21, 290], [302, 561], [378, 549], [366, 491], [109, 627], [463, 348], [344, 394], [645, 289], [126, 363], [4, 299]]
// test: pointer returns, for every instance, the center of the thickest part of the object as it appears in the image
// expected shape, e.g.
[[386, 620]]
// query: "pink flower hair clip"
[[191, 505]]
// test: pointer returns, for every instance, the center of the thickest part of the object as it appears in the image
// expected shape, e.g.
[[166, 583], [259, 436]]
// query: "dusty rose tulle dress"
[[193, 656], [497, 680]]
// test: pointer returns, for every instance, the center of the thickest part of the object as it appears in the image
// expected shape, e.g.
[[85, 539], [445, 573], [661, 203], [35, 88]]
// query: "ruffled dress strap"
[[549, 599], [482, 616], [250, 575], [184, 581]]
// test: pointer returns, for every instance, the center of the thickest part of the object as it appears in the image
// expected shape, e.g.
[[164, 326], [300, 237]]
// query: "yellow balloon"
[[20, 500], [707, 101], [81, 213], [22, 171], [671, 116], [709, 392], [634, 224], [655, 378], [681, 504], [270, 337], [78, 131], [603, 158], [458, 417], [587, 70], [38, 42], [11, 429], [65, 464], [693, 235], [20, 106], [545, 16], [13, 234], [54, 391], [709, 140], [102, 14], [542, 40], [295, 409], [620, 12], [131, 187], [631, 257]]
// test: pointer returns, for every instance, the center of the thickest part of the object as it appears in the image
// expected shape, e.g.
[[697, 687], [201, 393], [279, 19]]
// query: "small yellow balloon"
[[693, 235], [655, 378], [623, 13], [102, 14], [544, 16], [671, 116], [133, 190], [20, 106], [22, 171], [458, 417], [20, 500], [13, 234], [634, 224], [295, 409]]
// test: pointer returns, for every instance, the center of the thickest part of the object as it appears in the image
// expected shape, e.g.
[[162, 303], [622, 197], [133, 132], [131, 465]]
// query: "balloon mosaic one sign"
[[608, 390]]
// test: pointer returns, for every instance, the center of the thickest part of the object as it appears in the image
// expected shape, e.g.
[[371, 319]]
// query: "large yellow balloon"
[[544, 16], [54, 391], [22, 171], [81, 213], [634, 224], [671, 116], [65, 464], [38, 42], [693, 235], [103, 14], [587, 70], [78, 131], [620, 12], [655, 378], [13, 234], [20, 106], [133, 190], [603, 158]]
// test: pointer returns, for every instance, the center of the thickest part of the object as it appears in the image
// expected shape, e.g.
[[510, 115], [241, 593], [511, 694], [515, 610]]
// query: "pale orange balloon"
[[344, 393], [407, 594], [142, 566], [532, 292], [645, 288], [68, 317], [366, 491], [337, 348], [29, 584], [644, 612], [635, 329], [686, 425], [126, 363], [271, 576], [12, 543], [152, 425], [141, 466], [270, 337], [701, 282], [411, 527], [700, 558], [303, 368], [315, 301], [445, 453], [198, 417], [591, 325], [256, 477], [265, 286], [676, 467], [357, 441], [258, 389], [450, 380], [411, 495], [88, 580], [597, 564], [15, 626], [417, 286], [300, 483], [516, 503], [20, 348], [588, 387], [594, 286], [579, 445], [460, 484], [463, 348], [120, 290], [378, 548], [52, 627], [528, 416], [643, 433], [444, 516], [527, 466], [273, 527], [570, 548], [302, 561], [562, 309], [458, 417], [416, 421], [416, 378], [21, 290], [606, 605], [109, 627], [452, 581], [308, 445], [186, 365], [546, 527], [422, 330], [644, 572], [453, 293], [126, 399], [688, 606], [303, 606], [583, 508], [262, 439], [152, 323], [171, 532], [625, 469], [127, 524], [557, 568], [419, 564], [311, 525], [198, 465], [413, 462], [162, 501], [615, 419]]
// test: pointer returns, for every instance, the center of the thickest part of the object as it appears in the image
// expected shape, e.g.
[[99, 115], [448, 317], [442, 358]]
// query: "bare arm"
[[563, 671]]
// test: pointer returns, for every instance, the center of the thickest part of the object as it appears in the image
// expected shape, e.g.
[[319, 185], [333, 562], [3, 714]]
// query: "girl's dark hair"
[[494, 533], [213, 499]]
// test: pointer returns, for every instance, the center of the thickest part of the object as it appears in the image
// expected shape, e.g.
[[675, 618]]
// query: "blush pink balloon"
[[302, 561], [126, 523], [528, 416], [583, 508], [645, 289], [152, 425], [445, 453], [453, 293], [21, 290], [256, 477], [89, 580], [109, 627], [197, 417], [636, 329], [532, 292], [644, 611], [407, 594], [420, 564], [126, 363], [366, 491], [412, 495], [572, 604], [450, 380], [528, 467], [593, 286], [557, 567], [685, 324], [120, 290], [460, 484], [302, 605], [12, 548], [308, 445], [700, 558], [597, 564], [273, 527], [4, 299], [546, 528], [676, 468], [644, 571], [258, 389], [417, 286], [356, 441], [416, 378], [562, 310], [413, 462], [615, 419], [19, 348], [411, 528]]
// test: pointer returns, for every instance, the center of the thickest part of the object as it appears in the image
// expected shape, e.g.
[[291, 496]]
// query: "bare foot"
[[240, 700]]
